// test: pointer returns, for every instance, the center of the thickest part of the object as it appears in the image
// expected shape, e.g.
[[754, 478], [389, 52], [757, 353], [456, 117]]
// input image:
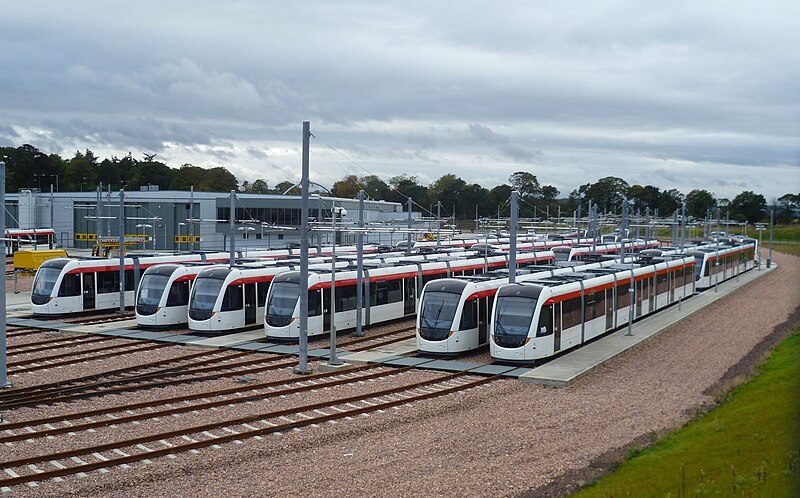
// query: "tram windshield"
[[151, 289], [46, 278], [513, 319], [437, 313], [281, 302], [562, 253], [204, 293]]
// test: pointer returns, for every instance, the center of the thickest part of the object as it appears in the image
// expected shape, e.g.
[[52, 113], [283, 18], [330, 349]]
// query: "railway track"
[[127, 380], [51, 465]]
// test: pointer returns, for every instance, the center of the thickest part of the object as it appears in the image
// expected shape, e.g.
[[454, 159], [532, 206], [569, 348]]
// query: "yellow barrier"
[[32, 260]]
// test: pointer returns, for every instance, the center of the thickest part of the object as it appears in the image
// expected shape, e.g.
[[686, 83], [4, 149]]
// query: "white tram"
[[454, 312], [223, 299], [69, 285], [390, 292], [538, 319], [577, 252], [719, 263], [162, 299]]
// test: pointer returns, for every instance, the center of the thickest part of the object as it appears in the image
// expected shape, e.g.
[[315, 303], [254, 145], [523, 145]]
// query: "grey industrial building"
[[181, 220]]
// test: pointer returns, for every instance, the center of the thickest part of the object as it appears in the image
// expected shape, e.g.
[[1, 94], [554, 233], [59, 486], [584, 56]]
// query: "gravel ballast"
[[506, 438]]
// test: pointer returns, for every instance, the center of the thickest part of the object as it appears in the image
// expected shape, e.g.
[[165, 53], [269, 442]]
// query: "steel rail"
[[87, 467], [128, 346], [38, 366], [49, 398], [54, 386], [50, 344], [307, 386]]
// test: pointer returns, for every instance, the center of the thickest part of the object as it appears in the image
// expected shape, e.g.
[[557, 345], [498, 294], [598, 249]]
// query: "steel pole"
[[771, 226], [512, 256], [122, 250], [303, 368], [3, 364], [408, 238], [333, 360], [232, 230], [716, 262], [360, 266], [52, 214], [683, 226]]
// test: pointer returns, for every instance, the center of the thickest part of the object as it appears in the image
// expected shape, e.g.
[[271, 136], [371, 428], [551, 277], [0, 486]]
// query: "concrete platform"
[[101, 327], [18, 302], [572, 366], [228, 340]]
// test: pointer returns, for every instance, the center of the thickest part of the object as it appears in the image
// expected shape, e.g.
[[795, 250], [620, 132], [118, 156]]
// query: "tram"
[[390, 292], [535, 320]]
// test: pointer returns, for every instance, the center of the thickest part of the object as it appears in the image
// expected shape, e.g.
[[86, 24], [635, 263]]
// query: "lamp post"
[[82, 183], [144, 232], [180, 248], [246, 229], [51, 176]]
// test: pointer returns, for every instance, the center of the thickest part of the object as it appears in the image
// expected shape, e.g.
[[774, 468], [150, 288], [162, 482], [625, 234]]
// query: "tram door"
[[609, 300], [557, 328], [484, 305], [326, 309], [409, 296], [250, 306], [88, 291], [639, 297]]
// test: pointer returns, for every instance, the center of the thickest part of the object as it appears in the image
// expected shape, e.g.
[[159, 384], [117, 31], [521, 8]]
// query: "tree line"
[[27, 167]]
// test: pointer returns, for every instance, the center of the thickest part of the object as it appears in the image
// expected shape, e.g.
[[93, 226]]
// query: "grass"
[[748, 446]]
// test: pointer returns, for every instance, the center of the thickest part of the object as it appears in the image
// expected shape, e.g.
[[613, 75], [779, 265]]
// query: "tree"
[[260, 186], [607, 193], [698, 202], [404, 186], [374, 187], [187, 176], [526, 184], [474, 195], [644, 197], [286, 185], [499, 197], [218, 179], [788, 205], [81, 172], [669, 201], [447, 189], [347, 187], [748, 206]]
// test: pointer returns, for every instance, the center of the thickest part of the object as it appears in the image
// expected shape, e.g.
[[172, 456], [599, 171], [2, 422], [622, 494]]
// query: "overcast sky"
[[682, 94]]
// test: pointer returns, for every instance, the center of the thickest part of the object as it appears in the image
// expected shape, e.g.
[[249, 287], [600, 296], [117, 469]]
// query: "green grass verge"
[[748, 446]]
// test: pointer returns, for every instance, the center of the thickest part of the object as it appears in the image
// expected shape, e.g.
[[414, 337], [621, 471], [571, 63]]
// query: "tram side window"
[[469, 317], [261, 293], [107, 282], [662, 285], [545, 326], [178, 294], [395, 291], [346, 298], [232, 300], [70, 285], [314, 303], [379, 293], [623, 299], [590, 310], [570, 313], [129, 283]]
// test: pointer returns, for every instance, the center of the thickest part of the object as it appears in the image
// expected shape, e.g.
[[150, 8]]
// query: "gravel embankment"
[[503, 439]]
